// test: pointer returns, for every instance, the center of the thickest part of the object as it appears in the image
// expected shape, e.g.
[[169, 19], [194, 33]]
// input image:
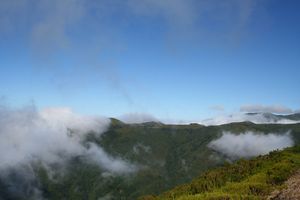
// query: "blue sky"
[[174, 59]]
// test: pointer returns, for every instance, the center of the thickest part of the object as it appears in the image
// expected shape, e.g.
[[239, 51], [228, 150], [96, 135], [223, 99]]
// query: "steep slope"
[[252, 179], [290, 191]]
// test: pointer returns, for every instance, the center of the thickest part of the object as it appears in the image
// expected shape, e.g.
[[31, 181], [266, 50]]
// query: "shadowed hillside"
[[252, 179]]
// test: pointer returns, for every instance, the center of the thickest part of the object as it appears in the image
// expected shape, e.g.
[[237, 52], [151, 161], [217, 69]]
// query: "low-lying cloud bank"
[[52, 136], [257, 118], [250, 144]]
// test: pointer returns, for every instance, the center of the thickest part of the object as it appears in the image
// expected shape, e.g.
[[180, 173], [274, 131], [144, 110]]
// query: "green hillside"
[[252, 179], [165, 156]]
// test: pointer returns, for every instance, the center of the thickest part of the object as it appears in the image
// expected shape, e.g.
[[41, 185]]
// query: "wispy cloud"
[[218, 108], [56, 33], [279, 109], [173, 11], [50, 137], [54, 26], [53, 135]]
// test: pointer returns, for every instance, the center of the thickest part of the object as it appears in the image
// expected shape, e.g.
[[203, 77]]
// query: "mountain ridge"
[[163, 156]]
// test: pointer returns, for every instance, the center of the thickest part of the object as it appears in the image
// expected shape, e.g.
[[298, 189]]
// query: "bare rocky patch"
[[290, 192]]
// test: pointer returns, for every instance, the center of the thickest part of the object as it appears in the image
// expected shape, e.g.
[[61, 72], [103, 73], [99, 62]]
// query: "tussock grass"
[[245, 179]]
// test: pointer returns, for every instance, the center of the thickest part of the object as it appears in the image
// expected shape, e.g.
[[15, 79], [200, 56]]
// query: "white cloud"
[[250, 144], [278, 109], [108, 162], [53, 135], [257, 118]]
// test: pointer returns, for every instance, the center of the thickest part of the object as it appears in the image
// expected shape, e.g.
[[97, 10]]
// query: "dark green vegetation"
[[166, 155], [245, 179]]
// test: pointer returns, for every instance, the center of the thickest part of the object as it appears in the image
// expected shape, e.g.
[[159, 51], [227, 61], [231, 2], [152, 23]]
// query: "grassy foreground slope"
[[245, 179]]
